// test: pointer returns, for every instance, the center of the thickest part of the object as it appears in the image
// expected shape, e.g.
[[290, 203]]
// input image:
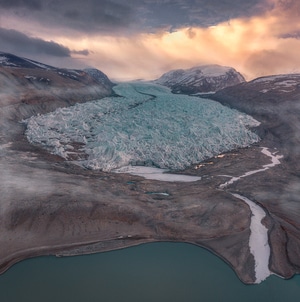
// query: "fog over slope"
[[52, 206], [28, 87]]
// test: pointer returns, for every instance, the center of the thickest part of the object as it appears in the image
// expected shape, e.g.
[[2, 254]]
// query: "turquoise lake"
[[160, 272]]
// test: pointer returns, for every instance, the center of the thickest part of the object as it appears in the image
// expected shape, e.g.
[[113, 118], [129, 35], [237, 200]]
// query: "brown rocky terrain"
[[28, 88], [275, 102], [50, 206]]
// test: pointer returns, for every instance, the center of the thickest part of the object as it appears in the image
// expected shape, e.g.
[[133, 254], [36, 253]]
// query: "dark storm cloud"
[[92, 16], [12, 40], [80, 15], [30, 4], [202, 13]]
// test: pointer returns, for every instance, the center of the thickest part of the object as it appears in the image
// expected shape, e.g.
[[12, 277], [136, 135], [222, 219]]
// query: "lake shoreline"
[[50, 202]]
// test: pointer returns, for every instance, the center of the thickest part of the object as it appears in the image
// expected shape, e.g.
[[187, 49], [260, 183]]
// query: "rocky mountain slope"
[[275, 102], [28, 87], [201, 79]]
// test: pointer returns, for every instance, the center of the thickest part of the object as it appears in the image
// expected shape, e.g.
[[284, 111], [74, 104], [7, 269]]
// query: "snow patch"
[[274, 159], [270, 78], [282, 83], [203, 93], [212, 70], [286, 83], [30, 77], [3, 59], [37, 64], [258, 241], [156, 174], [69, 74]]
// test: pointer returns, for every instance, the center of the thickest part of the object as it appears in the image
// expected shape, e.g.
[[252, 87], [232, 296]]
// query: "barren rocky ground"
[[50, 206]]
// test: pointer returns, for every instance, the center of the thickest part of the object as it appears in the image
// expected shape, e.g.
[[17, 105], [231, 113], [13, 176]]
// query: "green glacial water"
[[160, 272]]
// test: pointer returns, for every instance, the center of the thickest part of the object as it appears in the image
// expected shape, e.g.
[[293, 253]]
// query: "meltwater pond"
[[156, 272], [145, 124]]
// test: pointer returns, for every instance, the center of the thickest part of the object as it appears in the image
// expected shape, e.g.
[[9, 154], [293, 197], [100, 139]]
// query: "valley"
[[53, 206]]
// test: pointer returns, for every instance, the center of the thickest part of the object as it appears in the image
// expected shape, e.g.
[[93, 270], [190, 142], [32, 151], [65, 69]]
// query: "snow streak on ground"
[[258, 241], [275, 161], [145, 125]]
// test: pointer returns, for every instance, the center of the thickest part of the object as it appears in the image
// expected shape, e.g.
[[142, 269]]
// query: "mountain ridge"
[[28, 87], [200, 79], [12, 61]]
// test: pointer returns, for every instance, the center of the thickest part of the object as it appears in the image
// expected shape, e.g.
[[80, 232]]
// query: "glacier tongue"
[[144, 125]]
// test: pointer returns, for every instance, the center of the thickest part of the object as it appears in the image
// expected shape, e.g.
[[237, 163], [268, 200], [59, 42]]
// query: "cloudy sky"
[[144, 38]]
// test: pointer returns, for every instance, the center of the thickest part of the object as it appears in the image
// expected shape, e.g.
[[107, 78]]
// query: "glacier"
[[144, 124]]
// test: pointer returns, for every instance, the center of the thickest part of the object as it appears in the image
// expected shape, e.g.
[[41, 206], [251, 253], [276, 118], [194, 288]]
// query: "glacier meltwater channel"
[[145, 124], [258, 241]]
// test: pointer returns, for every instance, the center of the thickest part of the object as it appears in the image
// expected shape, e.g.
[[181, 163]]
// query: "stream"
[[258, 241]]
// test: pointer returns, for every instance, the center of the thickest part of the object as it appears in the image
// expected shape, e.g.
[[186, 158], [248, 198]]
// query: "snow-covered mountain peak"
[[38, 74], [10, 60], [206, 78], [211, 70]]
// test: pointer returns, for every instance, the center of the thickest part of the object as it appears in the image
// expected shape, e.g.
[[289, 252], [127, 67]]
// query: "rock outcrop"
[[28, 88]]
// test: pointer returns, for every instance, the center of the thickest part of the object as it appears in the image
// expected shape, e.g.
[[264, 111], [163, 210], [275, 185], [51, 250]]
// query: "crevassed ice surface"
[[145, 124]]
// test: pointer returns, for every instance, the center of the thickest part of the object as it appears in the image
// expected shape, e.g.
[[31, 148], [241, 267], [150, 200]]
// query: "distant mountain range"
[[23, 78], [87, 76]]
